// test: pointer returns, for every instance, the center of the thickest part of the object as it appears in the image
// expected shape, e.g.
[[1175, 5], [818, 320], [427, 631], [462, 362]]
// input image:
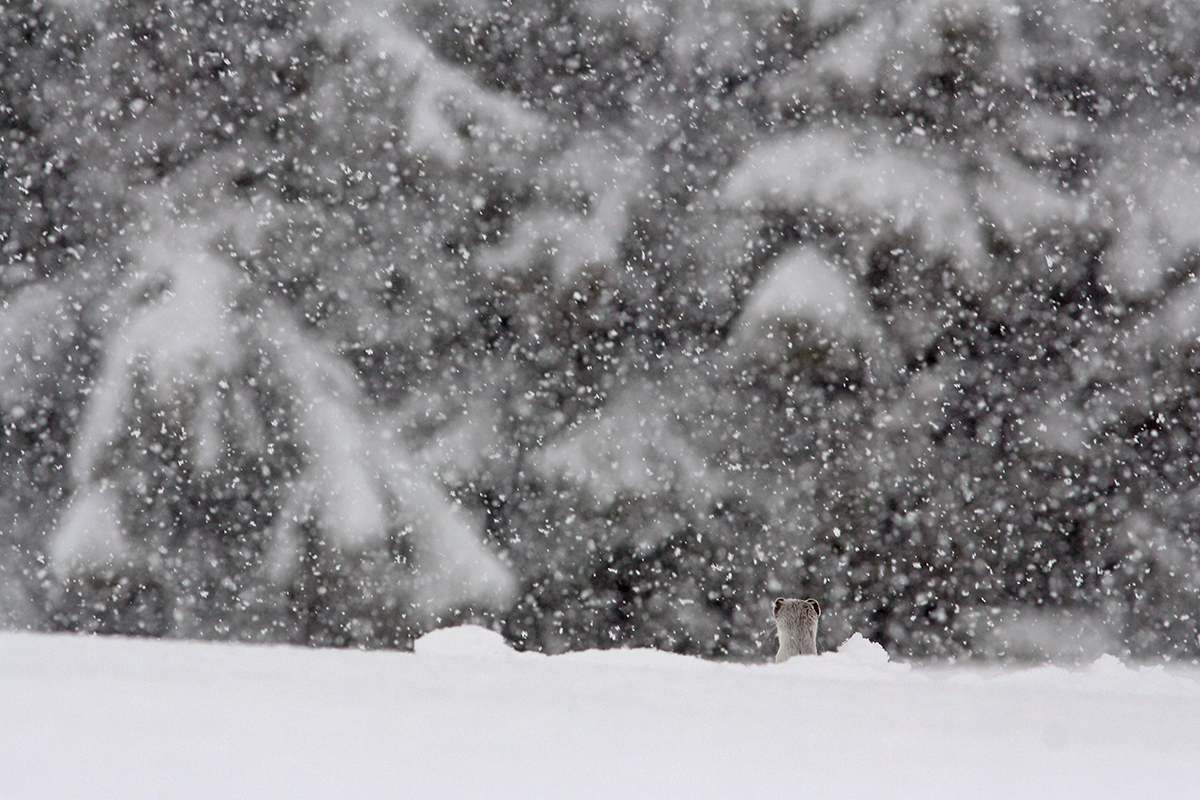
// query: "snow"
[[33, 325], [1153, 189], [633, 448], [894, 46], [1177, 322], [187, 349], [1020, 204], [853, 59], [803, 286], [464, 716], [828, 170], [179, 341], [599, 176], [1058, 427], [90, 532], [448, 111]]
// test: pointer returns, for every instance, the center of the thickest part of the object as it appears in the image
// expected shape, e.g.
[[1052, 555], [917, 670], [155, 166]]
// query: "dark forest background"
[[603, 323]]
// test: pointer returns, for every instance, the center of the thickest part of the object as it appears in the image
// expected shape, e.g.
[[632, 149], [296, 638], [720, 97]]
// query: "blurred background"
[[603, 323]]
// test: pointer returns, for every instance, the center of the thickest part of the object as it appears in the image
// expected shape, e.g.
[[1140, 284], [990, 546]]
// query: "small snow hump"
[[796, 625], [465, 640]]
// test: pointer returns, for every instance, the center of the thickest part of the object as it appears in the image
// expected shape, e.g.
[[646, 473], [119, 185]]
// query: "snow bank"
[[465, 716], [464, 641]]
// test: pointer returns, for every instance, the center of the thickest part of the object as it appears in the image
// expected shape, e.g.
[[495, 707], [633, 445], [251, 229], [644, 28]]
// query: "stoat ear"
[[778, 604], [816, 607]]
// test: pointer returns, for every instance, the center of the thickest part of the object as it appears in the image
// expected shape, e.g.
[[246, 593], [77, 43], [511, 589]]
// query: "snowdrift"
[[465, 716]]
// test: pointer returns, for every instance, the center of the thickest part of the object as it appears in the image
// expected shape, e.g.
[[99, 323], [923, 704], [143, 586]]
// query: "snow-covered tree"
[[964, 169], [224, 449], [227, 472]]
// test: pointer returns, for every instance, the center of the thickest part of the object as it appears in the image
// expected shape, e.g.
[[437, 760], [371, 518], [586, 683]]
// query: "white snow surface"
[[465, 716]]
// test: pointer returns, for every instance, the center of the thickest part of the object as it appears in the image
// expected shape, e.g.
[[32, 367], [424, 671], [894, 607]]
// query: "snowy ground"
[[86, 718]]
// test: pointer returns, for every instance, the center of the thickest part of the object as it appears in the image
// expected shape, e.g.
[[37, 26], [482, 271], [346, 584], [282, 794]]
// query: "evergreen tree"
[[227, 475]]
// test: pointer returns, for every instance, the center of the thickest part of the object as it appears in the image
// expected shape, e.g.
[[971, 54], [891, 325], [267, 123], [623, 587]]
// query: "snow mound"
[[465, 640], [857, 660], [1107, 675], [858, 649]]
